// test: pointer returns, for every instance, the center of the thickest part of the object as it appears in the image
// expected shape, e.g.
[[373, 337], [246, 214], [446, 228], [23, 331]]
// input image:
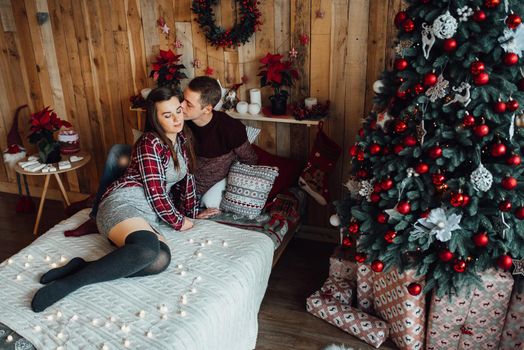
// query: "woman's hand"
[[187, 224], [208, 213]]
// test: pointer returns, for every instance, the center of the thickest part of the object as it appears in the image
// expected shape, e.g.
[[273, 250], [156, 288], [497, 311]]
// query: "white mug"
[[242, 107], [253, 108]]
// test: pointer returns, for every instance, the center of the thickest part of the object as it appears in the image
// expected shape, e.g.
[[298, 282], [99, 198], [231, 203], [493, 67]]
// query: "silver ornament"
[[439, 90], [428, 39], [481, 178], [445, 26]]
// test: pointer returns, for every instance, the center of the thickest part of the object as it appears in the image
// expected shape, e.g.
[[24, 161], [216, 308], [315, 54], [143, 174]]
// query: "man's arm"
[[246, 154]]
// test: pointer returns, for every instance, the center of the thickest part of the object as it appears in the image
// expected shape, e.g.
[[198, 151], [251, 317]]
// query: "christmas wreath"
[[240, 33]]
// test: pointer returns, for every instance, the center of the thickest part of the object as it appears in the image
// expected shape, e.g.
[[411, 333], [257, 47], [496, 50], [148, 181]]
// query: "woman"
[[156, 189]]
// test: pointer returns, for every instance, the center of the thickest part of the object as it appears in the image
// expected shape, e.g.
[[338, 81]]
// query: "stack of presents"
[[376, 306]]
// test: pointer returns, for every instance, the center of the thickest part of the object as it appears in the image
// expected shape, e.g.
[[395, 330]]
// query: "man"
[[219, 141]]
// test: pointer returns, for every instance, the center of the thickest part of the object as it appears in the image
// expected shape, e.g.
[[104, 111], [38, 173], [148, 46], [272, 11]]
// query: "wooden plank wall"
[[92, 55]]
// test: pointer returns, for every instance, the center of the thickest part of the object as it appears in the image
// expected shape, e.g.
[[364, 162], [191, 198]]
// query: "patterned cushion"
[[247, 188]]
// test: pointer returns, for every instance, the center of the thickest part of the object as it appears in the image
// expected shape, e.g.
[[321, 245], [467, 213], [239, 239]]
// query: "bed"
[[208, 298]]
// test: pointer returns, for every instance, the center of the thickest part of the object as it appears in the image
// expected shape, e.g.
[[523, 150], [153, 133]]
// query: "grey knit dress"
[[131, 202]]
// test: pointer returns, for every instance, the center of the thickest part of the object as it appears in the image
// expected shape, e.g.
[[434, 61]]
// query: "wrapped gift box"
[[471, 321], [365, 281], [339, 288], [341, 266], [355, 322], [513, 332]]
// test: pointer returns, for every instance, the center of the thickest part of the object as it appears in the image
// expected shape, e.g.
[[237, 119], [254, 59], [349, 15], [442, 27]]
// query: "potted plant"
[[277, 73], [167, 70], [43, 126]]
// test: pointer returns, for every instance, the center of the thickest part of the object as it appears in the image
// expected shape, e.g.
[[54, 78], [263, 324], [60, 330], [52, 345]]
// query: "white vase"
[[253, 108], [242, 107]]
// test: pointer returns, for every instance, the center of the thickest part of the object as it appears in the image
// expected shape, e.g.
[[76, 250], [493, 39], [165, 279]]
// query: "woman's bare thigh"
[[120, 231]]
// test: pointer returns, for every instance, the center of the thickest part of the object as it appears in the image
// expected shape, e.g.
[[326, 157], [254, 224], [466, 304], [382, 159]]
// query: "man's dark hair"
[[209, 89]]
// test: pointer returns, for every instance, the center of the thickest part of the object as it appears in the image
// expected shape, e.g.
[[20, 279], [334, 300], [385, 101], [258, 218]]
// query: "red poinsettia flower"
[[276, 72], [167, 70], [44, 123]]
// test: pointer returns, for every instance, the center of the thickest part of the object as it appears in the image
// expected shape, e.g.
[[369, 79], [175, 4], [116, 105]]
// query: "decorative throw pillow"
[[213, 196], [247, 188], [252, 133]]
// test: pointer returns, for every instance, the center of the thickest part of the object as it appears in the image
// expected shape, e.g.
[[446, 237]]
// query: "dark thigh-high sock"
[[141, 249]]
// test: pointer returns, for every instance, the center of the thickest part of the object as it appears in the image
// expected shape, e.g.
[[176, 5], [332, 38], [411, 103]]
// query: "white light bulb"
[[60, 347], [29, 257], [47, 258], [164, 317], [224, 244], [63, 258], [60, 335], [9, 261], [112, 318], [208, 241], [26, 265], [149, 334], [18, 277], [105, 347], [53, 265], [182, 313], [94, 322], [193, 290], [191, 240], [9, 338], [107, 324], [127, 343], [142, 314], [179, 266], [37, 328], [50, 317], [74, 318], [202, 244]]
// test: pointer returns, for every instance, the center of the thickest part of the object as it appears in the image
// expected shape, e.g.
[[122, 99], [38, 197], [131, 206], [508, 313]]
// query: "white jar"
[[242, 107], [253, 108]]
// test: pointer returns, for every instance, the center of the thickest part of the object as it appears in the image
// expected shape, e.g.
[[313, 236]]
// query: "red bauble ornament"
[[403, 207], [422, 168], [387, 184], [430, 79], [408, 25], [377, 266], [511, 59], [361, 155], [481, 78], [519, 213], [445, 255], [401, 64], [450, 45], [375, 197], [360, 257], [513, 160], [479, 16], [459, 266], [513, 21], [374, 148], [424, 214], [414, 289], [465, 200], [353, 228], [362, 174], [499, 107], [361, 132], [353, 150], [509, 183], [410, 141], [377, 187], [346, 242], [491, 4], [382, 218], [481, 130], [498, 149], [477, 67], [398, 148], [400, 18], [418, 88], [438, 179], [481, 239], [457, 199], [468, 120], [435, 152], [400, 126], [402, 94], [505, 205], [389, 236], [505, 262], [512, 105]]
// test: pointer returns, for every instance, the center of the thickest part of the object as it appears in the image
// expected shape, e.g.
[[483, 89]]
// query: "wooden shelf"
[[288, 119]]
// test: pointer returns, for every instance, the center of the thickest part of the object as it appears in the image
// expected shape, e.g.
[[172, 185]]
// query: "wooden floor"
[[283, 321]]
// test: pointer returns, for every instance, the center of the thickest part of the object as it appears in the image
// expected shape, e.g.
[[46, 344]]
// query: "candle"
[[310, 102], [255, 97]]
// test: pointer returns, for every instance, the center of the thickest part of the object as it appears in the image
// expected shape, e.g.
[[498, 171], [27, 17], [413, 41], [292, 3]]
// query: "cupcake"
[[69, 141]]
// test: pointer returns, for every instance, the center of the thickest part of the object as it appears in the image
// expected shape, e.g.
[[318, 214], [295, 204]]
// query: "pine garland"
[[244, 27]]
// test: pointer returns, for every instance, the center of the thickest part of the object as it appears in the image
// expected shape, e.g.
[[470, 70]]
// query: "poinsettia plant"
[[277, 73], [167, 70], [44, 124]]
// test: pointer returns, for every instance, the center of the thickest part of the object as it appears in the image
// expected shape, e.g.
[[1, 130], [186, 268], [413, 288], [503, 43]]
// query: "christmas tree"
[[436, 169]]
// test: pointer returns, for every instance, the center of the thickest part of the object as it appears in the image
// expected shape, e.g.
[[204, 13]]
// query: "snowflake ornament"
[[366, 188], [513, 40], [445, 26], [293, 53], [437, 224], [439, 90], [464, 13], [481, 178], [402, 46]]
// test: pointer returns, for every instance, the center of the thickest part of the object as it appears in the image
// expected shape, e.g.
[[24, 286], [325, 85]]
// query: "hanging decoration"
[[445, 26], [428, 39], [366, 189], [245, 26], [196, 63], [512, 128], [178, 44], [209, 71], [500, 225], [304, 39], [438, 90], [481, 178], [464, 99], [513, 40], [437, 224], [293, 53], [162, 25], [464, 13], [519, 267], [383, 118], [421, 132], [402, 46], [353, 186]]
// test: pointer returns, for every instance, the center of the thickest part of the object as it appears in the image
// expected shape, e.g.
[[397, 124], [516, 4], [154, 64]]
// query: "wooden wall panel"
[[92, 55]]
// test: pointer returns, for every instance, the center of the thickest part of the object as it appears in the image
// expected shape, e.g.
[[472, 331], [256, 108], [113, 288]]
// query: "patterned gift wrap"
[[339, 288], [513, 333], [355, 322], [471, 321], [404, 312], [365, 280], [341, 266]]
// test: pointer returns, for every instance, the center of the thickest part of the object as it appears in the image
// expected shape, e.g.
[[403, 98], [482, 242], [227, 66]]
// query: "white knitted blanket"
[[208, 298]]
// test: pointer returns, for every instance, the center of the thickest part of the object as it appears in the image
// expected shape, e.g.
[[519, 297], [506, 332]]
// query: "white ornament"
[[464, 13], [378, 86], [334, 220], [513, 40], [481, 178], [383, 118], [437, 224], [438, 90], [366, 188], [464, 99], [445, 26], [512, 128], [428, 39]]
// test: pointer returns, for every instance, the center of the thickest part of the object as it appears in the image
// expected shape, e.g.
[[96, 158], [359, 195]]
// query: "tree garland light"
[[240, 33]]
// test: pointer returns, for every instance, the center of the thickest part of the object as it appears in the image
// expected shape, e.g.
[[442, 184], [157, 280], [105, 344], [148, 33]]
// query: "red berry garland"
[[248, 22]]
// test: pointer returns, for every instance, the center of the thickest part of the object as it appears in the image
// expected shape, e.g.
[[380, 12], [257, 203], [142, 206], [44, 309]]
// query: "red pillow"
[[288, 170]]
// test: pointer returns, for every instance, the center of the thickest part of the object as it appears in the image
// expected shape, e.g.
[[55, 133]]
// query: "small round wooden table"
[[74, 166]]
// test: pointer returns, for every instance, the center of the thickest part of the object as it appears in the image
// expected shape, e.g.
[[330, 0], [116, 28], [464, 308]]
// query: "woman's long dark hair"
[[152, 125]]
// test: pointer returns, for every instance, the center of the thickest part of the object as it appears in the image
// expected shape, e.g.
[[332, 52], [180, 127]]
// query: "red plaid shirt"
[[147, 169]]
